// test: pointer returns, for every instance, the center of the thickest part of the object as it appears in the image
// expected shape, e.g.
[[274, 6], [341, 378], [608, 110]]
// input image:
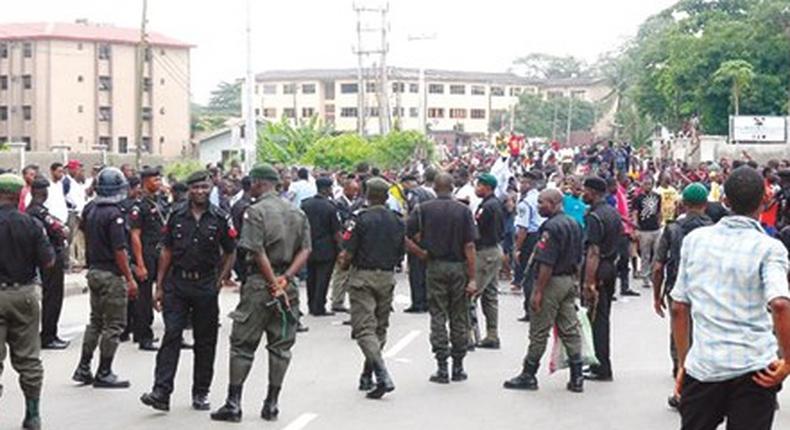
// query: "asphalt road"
[[320, 389]]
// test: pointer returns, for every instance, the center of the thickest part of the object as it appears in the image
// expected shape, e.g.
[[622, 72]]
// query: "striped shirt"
[[729, 273]]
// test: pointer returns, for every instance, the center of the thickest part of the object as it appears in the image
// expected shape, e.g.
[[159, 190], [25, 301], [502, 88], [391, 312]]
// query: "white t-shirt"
[[77, 195], [467, 193], [56, 201]]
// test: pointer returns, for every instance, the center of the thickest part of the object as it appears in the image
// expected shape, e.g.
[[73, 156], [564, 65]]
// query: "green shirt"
[[272, 226]]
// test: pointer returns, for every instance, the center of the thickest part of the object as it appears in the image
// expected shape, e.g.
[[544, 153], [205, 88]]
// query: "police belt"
[[278, 269], [194, 275], [7, 286], [373, 269]]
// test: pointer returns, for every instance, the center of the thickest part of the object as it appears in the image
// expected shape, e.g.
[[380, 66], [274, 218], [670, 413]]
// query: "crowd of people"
[[564, 227]]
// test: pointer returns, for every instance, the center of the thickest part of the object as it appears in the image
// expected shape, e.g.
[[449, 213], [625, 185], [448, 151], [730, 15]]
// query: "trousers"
[[108, 313], [339, 286], [143, 305], [371, 303], [319, 273], [601, 325], [744, 404], [19, 319], [419, 293], [448, 304], [648, 241], [528, 275], [488, 263], [52, 290], [557, 307]]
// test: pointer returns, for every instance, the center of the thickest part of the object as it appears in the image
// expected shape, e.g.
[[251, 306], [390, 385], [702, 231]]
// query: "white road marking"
[[402, 360], [71, 332], [401, 299], [301, 422], [402, 344]]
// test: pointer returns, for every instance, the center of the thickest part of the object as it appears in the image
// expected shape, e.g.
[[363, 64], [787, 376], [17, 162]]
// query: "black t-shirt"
[[648, 211], [324, 226], [105, 231], [375, 239], [604, 227], [25, 246], [445, 227], [560, 245], [149, 214], [490, 223]]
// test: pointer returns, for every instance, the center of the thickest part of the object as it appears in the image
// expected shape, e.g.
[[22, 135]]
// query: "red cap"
[[73, 164]]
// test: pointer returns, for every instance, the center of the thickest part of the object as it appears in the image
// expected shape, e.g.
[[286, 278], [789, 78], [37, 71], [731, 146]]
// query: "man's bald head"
[[549, 202], [443, 184]]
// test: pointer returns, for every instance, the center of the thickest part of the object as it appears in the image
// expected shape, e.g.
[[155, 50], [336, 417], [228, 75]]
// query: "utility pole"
[[423, 90], [570, 117], [381, 76], [554, 123], [142, 48], [250, 128]]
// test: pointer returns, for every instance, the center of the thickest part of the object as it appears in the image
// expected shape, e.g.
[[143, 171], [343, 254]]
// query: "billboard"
[[758, 129]]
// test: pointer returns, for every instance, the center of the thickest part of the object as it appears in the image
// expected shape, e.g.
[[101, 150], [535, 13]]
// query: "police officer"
[[373, 246], [25, 248], [237, 215], [442, 233], [604, 229], [197, 255], [147, 220], [528, 221], [110, 279], [490, 217], [52, 280], [126, 205], [557, 257], [325, 229], [276, 237]]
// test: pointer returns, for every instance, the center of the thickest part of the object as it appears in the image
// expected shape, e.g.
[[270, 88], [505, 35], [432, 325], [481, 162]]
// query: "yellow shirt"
[[669, 202], [715, 192]]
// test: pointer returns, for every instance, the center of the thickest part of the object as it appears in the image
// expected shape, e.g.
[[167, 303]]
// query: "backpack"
[[676, 232]]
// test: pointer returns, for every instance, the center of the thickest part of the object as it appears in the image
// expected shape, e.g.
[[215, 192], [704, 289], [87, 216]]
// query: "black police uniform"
[[52, 280], [417, 267], [237, 215], [324, 227], [604, 229], [191, 289], [149, 215], [126, 206]]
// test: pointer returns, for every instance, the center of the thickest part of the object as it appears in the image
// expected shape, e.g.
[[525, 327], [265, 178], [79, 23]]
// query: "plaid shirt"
[[728, 273]]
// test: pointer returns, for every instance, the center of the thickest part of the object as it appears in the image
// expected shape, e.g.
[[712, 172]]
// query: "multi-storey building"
[[75, 85], [454, 101]]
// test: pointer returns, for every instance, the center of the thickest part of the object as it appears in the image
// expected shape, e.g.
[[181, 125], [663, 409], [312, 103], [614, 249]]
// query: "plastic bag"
[[559, 356]]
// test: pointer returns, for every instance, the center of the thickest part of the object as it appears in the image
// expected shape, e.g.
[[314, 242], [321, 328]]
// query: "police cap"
[[199, 176], [487, 179], [150, 172], [265, 172], [11, 183]]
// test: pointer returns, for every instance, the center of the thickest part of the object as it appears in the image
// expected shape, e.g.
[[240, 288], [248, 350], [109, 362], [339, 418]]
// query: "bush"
[[400, 147], [182, 169], [282, 143], [339, 152]]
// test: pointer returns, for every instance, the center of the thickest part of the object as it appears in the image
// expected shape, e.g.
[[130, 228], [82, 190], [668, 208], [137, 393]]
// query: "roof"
[[84, 31], [395, 73]]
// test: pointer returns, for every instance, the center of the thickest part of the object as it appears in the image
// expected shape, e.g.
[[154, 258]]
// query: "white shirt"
[[77, 195], [56, 202], [467, 193], [302, 191]]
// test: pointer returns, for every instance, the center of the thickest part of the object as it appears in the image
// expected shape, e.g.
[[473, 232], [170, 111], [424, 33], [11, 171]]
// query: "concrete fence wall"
[[12, 159], [713, 148]]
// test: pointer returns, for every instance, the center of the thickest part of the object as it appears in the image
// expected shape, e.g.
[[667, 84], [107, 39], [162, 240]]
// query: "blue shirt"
[[729, 288], [575, 208], [527, 215]]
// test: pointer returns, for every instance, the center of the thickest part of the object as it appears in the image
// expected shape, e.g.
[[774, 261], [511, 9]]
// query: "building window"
[[145, 144], [269, 89], [478, 114], [329, 109], [348, 112], [123, 145], [308, 112], [3, 113], [80, 139], [554, 95], [373, 111], [28, 145], [498, 116], [146, 113], [27, 82], [458, 113], [27, 50], [308, 89], [3, 139], [370, 87], [414, 112], [147, 84], [3, 50], [579, 94], [3, 82], [106, 142], [80, 78], [79, 109], [398, 87], [105, 51], [414, 88], [289, 89], [398, 112], [497, 91], [458, 89], [478, 90], [349, 89], [105, 83], [435, 113], [105, 114], [436, 88], [269, 113], [27, 113], [515, 91], [289, 113]]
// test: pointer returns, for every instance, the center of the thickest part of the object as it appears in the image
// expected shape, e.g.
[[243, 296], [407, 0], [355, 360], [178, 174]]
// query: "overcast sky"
[[481, 35]]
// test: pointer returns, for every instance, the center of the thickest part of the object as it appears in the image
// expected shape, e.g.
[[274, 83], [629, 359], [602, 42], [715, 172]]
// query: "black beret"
[[149, 172], [180, 187], [595, 183], [199, 176], [323, 183], [40, 183], [134, 181]]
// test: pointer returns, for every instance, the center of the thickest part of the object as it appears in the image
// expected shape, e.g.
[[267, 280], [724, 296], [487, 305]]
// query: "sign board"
[[758, 129]]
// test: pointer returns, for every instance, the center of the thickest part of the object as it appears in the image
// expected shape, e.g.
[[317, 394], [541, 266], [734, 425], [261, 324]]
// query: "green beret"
[[377, 186], [199, 176], [10, 183], [265, 172], [695, 193], [487, 179]]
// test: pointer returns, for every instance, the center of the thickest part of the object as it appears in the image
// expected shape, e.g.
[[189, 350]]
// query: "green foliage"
[[226, 99], [182, 169], [399, 147], [692, 59], [283, 143], [343, 151], [545, 66], [535, 117]]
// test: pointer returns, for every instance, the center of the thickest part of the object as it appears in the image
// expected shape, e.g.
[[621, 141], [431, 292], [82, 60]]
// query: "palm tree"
[[740, 74]]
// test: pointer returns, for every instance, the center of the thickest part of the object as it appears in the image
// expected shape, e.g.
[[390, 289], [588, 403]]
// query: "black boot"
[[105, 378], [157, 400], [384, 383], [32, 419], [200, 402], [526, 380], [366, 378], [83, 374], [231, 410], [576, 383], [270, 411], [458, 370], [441, 376]]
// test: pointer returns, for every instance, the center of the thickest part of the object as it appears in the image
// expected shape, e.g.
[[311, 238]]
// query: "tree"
[[740, 74], [283, 142], [226, 99], [536, 117], [545, 66]]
